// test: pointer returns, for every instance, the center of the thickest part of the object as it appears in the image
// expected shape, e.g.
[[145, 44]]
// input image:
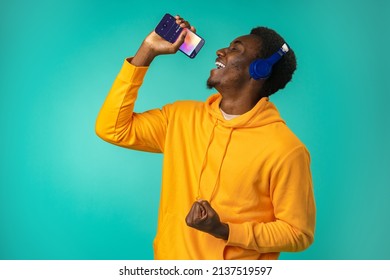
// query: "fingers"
[[202, 212], [196, 215], [186, 26], [183, 23], [206, 206]]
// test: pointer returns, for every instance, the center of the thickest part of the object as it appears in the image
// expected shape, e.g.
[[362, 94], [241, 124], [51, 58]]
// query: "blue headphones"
[[262, 68]]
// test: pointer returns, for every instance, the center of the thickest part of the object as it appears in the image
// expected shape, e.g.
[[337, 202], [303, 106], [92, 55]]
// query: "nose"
[[221, 52]]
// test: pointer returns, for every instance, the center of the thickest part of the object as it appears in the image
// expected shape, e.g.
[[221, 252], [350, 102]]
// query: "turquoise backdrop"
[[66, 194]]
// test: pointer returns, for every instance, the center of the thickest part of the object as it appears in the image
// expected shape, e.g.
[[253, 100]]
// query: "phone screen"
[[192, 44], [170, 31]]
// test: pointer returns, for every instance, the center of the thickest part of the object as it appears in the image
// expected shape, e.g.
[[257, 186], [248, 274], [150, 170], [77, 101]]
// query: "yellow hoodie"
[[253, 170]]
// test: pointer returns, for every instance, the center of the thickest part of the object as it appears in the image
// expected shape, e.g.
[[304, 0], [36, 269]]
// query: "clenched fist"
[[204, 218]]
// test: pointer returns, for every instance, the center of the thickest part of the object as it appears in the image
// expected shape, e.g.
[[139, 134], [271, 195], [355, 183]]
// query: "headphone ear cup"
[[260, 69]]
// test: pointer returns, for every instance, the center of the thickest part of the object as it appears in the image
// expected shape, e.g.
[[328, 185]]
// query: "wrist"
[[144, 56], [222, 231]]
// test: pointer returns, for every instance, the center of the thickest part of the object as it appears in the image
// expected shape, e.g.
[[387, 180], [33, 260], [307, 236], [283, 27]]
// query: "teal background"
[[66, 194]]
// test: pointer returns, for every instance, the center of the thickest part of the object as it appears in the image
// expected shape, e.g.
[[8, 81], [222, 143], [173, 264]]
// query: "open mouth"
[[219, 65]]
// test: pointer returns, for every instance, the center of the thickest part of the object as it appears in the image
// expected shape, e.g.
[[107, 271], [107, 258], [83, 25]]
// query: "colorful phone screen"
[[190, 43]]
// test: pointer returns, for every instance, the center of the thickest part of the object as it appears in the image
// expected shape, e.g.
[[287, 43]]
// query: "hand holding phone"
[[170, 31]]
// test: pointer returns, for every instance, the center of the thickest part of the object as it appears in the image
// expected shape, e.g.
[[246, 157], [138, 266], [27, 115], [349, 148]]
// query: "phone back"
[[168, 28]]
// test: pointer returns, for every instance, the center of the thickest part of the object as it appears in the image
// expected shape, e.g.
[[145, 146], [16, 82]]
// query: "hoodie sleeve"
[[119, 125], [294, 209]]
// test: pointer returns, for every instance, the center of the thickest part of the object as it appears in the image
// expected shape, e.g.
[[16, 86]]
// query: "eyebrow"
[[237, 42]]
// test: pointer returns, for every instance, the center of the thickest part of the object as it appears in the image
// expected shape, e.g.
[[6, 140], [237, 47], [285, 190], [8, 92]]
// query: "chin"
[[211, 84]]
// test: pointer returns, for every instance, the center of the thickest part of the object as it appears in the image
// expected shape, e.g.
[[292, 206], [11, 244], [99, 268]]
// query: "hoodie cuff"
[[132, 73], [236, 235]]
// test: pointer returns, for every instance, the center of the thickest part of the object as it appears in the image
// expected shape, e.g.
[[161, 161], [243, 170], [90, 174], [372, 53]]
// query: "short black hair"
[[283, 70]]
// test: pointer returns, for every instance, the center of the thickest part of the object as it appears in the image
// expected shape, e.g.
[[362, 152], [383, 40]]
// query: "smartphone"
[[170, 31]]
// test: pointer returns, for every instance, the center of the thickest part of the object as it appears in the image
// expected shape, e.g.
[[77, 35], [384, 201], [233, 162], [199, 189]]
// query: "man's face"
[[233, 63]]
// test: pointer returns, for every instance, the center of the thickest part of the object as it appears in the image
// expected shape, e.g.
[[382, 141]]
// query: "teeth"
[[219, 65]]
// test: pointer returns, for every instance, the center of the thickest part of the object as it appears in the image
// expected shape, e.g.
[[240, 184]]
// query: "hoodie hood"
[[263, 113]]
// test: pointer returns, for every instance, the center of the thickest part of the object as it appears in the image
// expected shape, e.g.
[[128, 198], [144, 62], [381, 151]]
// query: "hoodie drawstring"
[[220, 165], [205, 157]]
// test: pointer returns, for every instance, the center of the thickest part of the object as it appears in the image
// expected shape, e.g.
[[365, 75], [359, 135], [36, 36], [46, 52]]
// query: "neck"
[[240, 99]]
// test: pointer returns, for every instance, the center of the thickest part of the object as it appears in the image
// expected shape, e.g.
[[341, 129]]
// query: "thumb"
[[180, 39]]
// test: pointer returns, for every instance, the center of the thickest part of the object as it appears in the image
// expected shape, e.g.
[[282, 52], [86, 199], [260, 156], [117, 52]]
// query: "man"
[[236, 181]]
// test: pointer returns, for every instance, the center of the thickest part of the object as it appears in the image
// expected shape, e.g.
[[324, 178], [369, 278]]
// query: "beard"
[[210, 83]]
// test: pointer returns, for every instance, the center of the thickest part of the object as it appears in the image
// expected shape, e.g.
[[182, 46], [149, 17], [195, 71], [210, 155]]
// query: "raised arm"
[[117, 123]]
